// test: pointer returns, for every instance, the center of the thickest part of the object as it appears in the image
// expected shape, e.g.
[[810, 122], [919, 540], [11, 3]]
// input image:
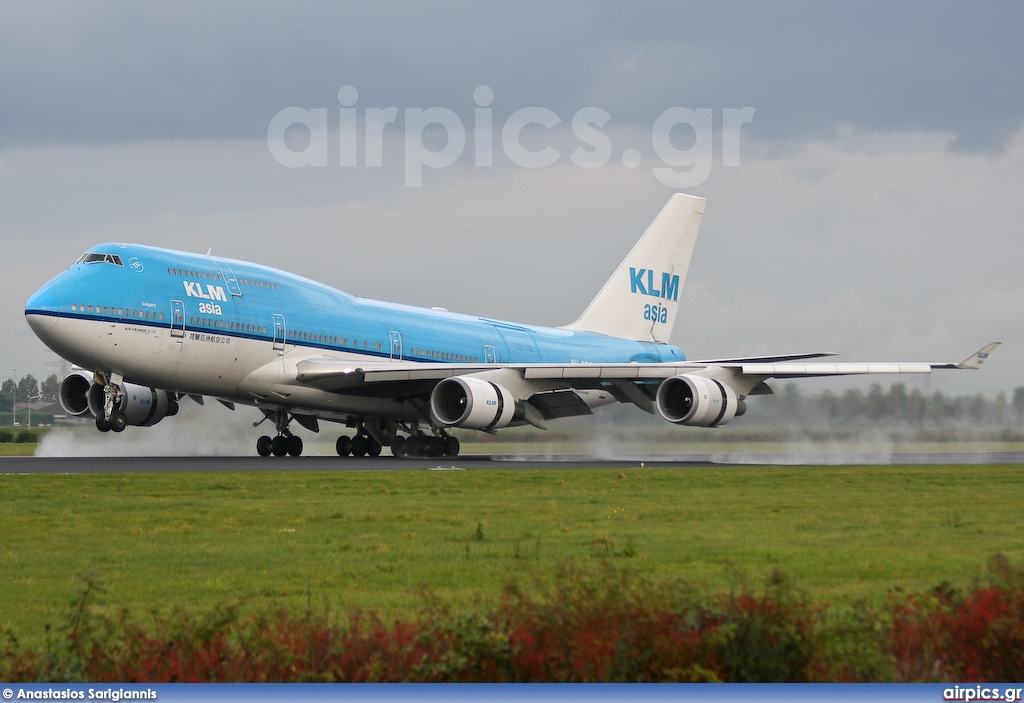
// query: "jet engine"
[[472, 403], [141, 405], [698, 401], [74, 393]]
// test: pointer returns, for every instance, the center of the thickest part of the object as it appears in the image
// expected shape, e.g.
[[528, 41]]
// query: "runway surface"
[[86, 465]]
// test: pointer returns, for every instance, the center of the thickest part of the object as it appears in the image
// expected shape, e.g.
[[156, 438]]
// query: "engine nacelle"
[[142, 406], [472, 403], [698, 401], [74, 393]]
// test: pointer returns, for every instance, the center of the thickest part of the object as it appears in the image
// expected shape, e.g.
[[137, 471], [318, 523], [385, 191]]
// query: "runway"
[[167, 464]]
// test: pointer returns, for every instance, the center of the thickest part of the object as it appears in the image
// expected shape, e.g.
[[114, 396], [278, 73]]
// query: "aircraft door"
[[280, 332], [177, 318], [489, 354], [396, 345]]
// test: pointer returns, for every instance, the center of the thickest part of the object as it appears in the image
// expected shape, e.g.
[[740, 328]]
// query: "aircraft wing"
[[744, 372]]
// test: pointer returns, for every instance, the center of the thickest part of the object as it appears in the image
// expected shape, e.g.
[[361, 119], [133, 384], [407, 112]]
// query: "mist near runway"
[[872, 426], [876, 426], [614, 443], [210, 430]]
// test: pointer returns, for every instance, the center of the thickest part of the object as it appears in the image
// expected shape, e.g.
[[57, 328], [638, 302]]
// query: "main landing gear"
[[284, 444], [360, 445], [369, 440], [421, 445], [417, 444]]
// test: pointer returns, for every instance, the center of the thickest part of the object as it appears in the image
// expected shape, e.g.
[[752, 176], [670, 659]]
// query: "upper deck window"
[[98, 258]]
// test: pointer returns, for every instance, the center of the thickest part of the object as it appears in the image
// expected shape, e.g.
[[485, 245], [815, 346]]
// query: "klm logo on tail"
[[642, 281]]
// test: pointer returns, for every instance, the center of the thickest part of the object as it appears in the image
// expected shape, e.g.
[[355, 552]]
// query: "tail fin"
[[641, 298]]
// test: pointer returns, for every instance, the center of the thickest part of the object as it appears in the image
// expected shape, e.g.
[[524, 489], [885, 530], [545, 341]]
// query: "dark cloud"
[[120, 71]]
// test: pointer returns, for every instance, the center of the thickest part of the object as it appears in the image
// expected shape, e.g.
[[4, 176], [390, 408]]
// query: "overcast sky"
[[872, 204]]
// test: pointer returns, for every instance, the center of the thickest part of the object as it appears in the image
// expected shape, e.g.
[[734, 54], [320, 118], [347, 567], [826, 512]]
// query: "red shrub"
[[611, 625]]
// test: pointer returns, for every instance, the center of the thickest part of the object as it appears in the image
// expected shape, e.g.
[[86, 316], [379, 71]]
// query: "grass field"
[[368, 539]]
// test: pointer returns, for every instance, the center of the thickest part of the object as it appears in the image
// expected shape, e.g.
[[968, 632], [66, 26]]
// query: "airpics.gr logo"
[[642, 281]]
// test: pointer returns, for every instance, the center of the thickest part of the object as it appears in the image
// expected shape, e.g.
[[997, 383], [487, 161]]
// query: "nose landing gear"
[[111, 416]]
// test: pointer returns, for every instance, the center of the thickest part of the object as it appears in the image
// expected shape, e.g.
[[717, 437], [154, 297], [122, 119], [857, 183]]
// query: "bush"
[[609, 625], [6, 436], [978, 636], [26, 437]]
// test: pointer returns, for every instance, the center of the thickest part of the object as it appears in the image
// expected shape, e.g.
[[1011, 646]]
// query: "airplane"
[[147, 326]]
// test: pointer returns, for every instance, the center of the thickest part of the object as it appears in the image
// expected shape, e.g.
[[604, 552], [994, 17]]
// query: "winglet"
[[975, 360]]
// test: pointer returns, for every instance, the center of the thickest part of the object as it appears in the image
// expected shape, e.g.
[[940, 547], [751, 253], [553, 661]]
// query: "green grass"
[[368, 539], [17, 448]]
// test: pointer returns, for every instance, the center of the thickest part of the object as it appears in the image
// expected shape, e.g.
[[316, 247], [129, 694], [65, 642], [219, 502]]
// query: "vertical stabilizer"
[[641, 298]]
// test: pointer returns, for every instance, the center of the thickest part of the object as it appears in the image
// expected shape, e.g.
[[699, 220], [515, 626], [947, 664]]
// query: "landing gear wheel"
[[118, 421], [372, 448], [295, 445], [414, 446], [343, 446], [279, 445], [359, 445], [398, 447], [432, 447], [450, 446], [101, 424], [264, 446]]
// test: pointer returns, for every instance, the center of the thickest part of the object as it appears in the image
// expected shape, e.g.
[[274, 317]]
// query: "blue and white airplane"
[[148, 326]]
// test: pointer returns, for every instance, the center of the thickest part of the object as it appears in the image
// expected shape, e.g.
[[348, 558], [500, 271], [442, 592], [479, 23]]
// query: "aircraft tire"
[[399, 447], [264, 446], [118, 421], [414, 446], [101, 424], [432, 448], [450, 446], [343, 446], [279, 445], [295, 445], [373, 448], [359, 445]]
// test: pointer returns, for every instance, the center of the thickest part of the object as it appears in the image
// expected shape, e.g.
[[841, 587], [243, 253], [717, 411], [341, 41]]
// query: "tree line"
[[26, 388], [895, 405]]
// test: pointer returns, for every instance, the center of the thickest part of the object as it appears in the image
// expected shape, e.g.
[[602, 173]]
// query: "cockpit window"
[[97, 258]]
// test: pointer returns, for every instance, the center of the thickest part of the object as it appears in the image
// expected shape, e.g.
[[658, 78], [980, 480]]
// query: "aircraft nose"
[[42, 309]]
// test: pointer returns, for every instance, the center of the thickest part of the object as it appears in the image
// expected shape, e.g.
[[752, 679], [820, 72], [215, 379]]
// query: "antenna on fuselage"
[[209, 251]]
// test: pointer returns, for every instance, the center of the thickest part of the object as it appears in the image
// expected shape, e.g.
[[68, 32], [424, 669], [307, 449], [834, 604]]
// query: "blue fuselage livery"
[[147, 327], [173, 305]]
